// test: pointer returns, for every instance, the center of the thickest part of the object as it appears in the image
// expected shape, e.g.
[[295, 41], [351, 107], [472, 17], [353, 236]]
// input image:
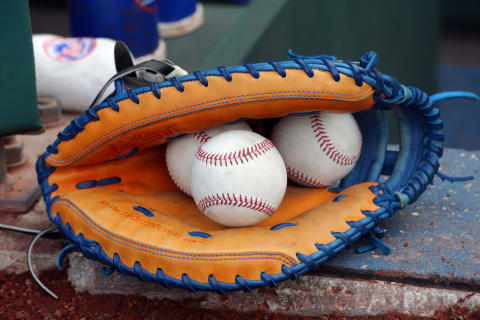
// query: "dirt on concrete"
[[22, 298]]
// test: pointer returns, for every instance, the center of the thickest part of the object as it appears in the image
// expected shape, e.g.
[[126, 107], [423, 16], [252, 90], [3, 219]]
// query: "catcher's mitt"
[[107, 188]]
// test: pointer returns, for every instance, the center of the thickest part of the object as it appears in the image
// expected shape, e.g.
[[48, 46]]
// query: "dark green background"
[[18, 112]]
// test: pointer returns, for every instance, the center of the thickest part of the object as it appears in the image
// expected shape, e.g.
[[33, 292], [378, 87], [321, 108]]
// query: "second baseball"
[[238, 178], [319, 149], [181, 152]]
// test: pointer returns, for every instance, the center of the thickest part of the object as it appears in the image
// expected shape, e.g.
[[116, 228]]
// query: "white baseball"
[[238, 178], [320, 149], [181, 152]]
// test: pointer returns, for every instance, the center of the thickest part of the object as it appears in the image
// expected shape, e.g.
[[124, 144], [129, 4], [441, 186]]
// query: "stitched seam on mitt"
[[157, 117], [172, 254]]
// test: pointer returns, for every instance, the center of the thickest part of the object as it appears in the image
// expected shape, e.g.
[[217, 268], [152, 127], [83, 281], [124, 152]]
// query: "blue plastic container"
[[174, 10], [132, 21]]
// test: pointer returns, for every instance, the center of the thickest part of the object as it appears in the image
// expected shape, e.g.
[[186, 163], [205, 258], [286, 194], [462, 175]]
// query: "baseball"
[[320, 149], [238, 178], [181, 152]]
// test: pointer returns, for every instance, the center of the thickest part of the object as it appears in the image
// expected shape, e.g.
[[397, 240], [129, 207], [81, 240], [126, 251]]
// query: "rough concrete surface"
[[309, 295], [436, 239], [14, 245]]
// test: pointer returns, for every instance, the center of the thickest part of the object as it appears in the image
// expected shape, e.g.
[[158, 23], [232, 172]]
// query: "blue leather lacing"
[[62, 254], [444, 177], [133, 96], [252, 70], [177, 84], [214, 284], [308, 70], [200, 234], [339, 197], [283, 225], [391, 158], [387, 91], [278, 68], [145, 211], [201, 78], [98, 183], [155, 90], [225, 73], [374, 237], [113, 104], [128, 154]]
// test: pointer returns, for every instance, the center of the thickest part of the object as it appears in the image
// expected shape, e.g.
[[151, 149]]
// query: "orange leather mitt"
[[107, 188]]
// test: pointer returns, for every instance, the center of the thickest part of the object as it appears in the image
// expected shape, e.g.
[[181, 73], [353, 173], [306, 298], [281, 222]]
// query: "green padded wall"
[[18, 112], [403, 32]]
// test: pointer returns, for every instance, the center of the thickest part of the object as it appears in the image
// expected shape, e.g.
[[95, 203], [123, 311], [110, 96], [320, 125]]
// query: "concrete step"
[[435, 240], [310, 295], [13, 245]]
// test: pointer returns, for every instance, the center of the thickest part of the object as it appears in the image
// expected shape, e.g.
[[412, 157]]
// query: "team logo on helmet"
[[69, 49], [149, 6]]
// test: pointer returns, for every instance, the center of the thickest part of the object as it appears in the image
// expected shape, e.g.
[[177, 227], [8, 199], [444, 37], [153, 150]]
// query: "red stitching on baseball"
[[202, 136], [327, 146], [235, 200], [234, 157], [292, 172]]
